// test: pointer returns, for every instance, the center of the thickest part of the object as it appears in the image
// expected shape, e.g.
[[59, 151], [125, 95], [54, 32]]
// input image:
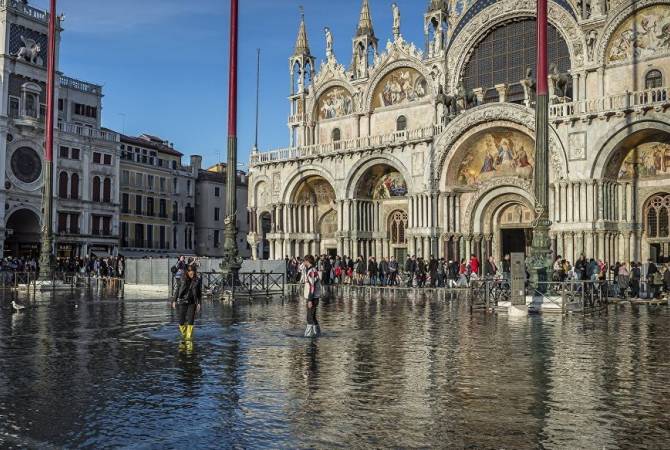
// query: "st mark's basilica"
[[428, 149]]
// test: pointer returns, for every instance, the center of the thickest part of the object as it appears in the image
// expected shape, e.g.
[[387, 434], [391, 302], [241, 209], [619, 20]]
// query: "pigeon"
[[17, 307]]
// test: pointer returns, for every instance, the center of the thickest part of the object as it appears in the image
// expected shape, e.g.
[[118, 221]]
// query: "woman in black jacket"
[[187, 299]]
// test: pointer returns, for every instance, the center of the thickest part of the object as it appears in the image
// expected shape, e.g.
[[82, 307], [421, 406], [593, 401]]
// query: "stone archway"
[[23, 227], [311, 199]]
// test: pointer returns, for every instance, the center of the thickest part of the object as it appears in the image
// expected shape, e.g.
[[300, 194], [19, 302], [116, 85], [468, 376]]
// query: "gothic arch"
[[258, 180], [360, 168], [615, 19], [481, 117], [388, 68], [608, 146], [500, 12], [292, 182]]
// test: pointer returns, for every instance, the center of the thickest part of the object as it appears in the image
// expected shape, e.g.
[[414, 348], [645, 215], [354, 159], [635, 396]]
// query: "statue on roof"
[[396, 20]]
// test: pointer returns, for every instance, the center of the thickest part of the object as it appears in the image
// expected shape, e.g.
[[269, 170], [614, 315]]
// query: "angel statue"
[[329, 43]]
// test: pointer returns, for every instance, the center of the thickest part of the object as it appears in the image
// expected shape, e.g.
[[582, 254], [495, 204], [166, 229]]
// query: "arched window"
[[62, 185], [397, 227], [401, 123], [653, 79], [503, 55], [336, 135], [74, 187], [657, 216], [96, 189], [107, 191]]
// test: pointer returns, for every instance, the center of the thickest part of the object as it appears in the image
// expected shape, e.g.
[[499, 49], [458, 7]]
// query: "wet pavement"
[[406, 370]]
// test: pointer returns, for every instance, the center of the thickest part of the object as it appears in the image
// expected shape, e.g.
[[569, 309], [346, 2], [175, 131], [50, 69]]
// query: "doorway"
[[514, 241], [332, 252]]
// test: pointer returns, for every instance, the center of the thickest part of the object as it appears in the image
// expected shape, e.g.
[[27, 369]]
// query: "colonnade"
[[596, 218]]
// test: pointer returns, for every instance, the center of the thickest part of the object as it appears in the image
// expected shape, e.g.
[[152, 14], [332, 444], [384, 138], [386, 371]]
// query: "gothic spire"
[[301, 43], [365, 22], [437, 6]]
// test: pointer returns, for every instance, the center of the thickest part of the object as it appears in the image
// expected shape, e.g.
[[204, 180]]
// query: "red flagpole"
[[47, 248], [542, 71]]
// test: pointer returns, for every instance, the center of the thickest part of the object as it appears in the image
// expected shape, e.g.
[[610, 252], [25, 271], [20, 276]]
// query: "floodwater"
[[388, 372]]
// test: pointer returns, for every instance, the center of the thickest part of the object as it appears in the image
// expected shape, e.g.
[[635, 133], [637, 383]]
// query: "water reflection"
[[390, 371]]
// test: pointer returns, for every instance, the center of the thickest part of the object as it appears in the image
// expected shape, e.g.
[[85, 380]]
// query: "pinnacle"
[[301, 43], [365, 21]]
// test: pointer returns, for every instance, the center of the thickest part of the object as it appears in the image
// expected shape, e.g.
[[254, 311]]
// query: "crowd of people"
[[627, 280], [93, 266]]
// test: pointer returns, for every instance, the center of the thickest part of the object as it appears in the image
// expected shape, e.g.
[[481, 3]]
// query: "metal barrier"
[[249, 284], [72, 280], [489, 292], [569, 296]]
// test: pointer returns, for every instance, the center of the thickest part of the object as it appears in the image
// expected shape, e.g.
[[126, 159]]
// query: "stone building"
[[157, 198], [86, 156], [409, 151], [211, 209]]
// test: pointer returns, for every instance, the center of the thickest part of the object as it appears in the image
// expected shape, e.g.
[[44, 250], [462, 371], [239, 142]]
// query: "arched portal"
[[23, 228], [265, 221], [312, 201], [656, 228], [378, 188]]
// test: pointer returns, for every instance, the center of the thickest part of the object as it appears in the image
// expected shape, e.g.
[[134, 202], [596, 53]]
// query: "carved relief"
[[577, 146]]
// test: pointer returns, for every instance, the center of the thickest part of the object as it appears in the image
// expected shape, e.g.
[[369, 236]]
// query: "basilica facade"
[[429, 149]]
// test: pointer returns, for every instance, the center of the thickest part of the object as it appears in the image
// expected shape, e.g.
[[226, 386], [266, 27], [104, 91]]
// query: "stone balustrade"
[[26, 9], [93, 133], [610, 105], [361, 143], [83, 86]]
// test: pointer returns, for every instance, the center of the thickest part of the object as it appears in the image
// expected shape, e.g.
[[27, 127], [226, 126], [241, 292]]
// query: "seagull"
[[17, 307]]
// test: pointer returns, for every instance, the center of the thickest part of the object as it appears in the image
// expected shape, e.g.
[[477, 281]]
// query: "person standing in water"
[[186, 300], [312, 293]]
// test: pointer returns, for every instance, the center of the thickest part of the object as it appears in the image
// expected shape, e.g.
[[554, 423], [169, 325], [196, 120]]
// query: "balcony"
[[361, 143], [88, 132], [25, 9], [617, 104], [102, 232], [73, 83]]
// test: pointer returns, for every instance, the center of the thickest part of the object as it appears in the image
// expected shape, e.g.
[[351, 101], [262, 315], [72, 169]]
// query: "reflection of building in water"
[[433, 152]]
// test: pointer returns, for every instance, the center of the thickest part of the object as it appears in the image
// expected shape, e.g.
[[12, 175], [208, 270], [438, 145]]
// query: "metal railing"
[[83, 86], [247, 284], [13, 279], [568, 296]]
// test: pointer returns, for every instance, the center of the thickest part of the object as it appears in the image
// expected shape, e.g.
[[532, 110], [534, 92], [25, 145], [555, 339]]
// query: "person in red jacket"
[[474, 264]]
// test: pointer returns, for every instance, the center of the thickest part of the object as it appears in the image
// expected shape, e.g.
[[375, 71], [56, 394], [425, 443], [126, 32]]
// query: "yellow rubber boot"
[[189, 332], [182, 330]]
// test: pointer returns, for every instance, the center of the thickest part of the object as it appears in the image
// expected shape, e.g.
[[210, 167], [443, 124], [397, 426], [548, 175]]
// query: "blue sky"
[[164, 63]]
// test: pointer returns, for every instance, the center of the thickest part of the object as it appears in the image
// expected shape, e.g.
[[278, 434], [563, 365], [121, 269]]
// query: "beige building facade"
[[431, 151], [157, 198]]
